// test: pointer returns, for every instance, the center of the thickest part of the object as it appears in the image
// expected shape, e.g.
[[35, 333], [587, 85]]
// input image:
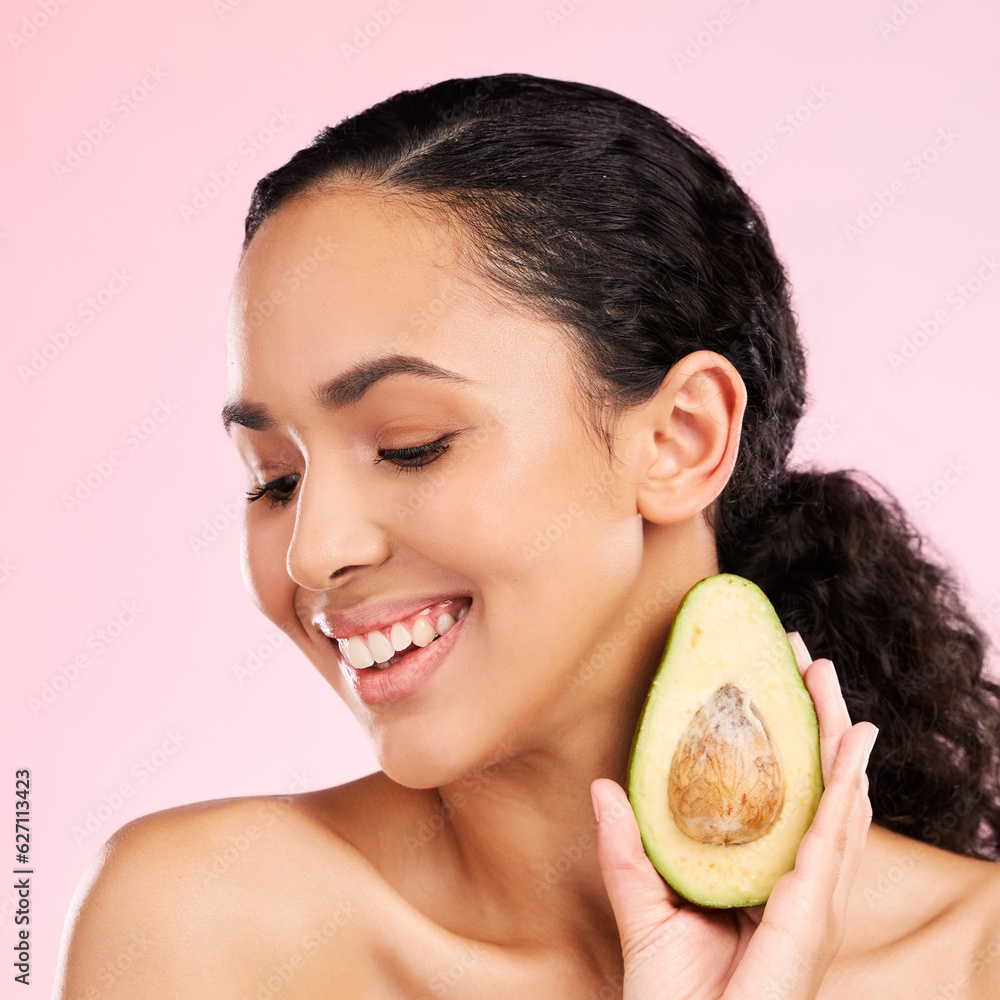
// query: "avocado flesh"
[[724, 774]]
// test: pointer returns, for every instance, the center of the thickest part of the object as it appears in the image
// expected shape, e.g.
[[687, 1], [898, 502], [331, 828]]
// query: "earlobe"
[[688, 438]]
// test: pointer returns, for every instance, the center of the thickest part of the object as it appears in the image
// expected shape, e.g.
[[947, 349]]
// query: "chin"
[[416, 762], [409, 767]]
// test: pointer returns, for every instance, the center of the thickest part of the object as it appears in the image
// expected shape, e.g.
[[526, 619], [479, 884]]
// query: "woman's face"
[[521, 513]]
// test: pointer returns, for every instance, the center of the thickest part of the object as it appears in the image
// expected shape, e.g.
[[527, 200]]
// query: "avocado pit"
[[725, 781]]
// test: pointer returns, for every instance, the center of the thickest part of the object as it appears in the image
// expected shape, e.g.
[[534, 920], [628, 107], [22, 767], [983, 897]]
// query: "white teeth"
[[357, 653], [423, 631], [379, 650], [399, 636], [379, 646]]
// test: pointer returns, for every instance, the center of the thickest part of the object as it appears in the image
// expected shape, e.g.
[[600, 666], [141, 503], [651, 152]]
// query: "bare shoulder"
[[221, 895], [960, 940], [923, 921], [980, 914]]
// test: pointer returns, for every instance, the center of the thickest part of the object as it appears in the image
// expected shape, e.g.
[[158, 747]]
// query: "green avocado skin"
[[689, 601]]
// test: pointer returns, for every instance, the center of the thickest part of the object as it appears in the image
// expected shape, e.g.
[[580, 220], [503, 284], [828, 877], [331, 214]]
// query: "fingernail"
[[872, 737], [796, 640], [597, 807]]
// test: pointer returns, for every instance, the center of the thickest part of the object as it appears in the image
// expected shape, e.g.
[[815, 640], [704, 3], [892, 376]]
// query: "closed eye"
[[415, 457]]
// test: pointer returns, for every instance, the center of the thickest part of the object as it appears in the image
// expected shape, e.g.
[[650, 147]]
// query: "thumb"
[[642, 901]]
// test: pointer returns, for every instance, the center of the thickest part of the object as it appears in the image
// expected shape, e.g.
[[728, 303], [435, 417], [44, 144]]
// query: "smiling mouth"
[[369, 652]]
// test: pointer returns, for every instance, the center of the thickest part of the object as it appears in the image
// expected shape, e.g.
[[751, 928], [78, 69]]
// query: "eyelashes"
[[412, 459], [273, 491]]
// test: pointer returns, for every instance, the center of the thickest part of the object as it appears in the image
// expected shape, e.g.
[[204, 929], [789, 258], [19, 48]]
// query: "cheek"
[[545, 516], [555, 548], [263, 554]]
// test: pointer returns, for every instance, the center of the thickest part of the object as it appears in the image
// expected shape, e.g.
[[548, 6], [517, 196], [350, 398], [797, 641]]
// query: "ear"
[[684, 440]]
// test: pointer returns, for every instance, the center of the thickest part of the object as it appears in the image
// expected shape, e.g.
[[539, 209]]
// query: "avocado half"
[[724, 774]]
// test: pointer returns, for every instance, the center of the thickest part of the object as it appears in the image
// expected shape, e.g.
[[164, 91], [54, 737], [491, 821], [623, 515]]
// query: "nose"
[[334, 532]]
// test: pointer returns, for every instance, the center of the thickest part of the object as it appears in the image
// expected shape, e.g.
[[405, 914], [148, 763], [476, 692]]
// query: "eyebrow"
[[345, 389]]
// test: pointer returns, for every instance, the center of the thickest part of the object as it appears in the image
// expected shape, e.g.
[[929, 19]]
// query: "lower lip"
[[377, 687]]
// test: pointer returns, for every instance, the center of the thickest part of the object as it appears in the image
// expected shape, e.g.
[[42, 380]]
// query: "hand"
[[780, 950]]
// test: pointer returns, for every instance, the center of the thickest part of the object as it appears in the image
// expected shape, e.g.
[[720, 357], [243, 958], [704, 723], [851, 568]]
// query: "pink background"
[[231, 72]]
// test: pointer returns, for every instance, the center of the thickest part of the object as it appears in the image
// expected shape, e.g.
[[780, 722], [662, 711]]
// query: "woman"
[[512, 367]]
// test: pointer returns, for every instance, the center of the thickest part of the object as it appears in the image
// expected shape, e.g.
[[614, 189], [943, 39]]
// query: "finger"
[[831, 850], [861, 820], [639, 897], [802, 657], [803, 921], [831, 710]]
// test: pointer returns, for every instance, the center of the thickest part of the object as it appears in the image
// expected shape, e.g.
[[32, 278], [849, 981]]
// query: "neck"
[[521, 831]]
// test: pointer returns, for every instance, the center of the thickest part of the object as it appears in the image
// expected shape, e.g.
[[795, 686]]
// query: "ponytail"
[[844, 567]]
